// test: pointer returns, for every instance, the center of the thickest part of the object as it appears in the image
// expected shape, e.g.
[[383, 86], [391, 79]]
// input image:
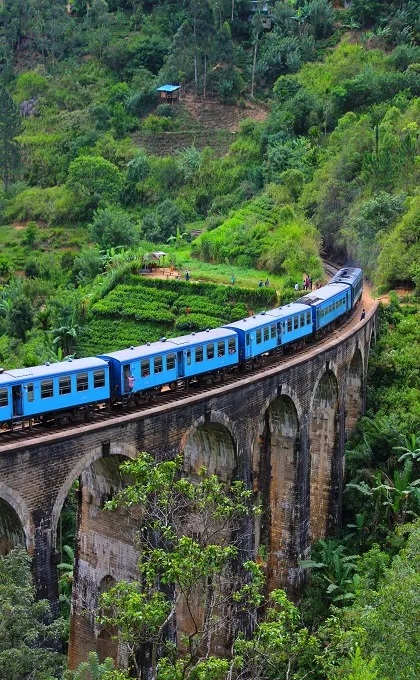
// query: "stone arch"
[[279, 452], [354, 391], [113, 449], [211, 443], [15, 523], [324, 444]]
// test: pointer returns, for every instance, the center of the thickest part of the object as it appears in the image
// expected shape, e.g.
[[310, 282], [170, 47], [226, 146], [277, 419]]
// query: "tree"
[[113, 227], [28, 638], [98, 20], [20, 318], [95, 178], [189, 541], [10, 128]]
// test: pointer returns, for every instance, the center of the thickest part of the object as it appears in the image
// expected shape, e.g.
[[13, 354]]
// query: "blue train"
[[72, 390]]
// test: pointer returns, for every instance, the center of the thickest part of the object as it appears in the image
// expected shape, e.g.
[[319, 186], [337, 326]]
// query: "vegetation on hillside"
[[327, 159]]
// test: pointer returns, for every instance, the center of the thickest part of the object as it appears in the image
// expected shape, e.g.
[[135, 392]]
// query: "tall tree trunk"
[[254, 66], [205, 75], [233, 6]]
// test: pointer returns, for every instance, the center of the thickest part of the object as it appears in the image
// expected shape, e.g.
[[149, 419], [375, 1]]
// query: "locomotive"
[[71, 390]]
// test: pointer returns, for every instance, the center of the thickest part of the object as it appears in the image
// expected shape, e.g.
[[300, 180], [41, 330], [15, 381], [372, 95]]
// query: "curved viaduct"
[[282, 431]]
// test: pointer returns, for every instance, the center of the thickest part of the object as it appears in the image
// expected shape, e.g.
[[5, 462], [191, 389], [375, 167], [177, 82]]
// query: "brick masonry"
[[283, 432]]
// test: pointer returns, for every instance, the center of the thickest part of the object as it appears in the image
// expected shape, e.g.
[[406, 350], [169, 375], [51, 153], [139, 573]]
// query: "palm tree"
[[65, 337]]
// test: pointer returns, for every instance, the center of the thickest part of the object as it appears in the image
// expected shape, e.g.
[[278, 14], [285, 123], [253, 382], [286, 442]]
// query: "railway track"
[[39, 430]]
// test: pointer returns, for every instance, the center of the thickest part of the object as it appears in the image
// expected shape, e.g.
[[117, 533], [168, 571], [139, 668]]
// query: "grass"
[[218, 273]]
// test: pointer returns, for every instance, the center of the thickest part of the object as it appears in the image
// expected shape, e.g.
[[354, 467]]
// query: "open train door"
[[17, 398]]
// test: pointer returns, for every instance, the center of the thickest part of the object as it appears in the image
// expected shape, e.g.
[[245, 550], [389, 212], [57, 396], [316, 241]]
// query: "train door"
[[180, 359], [279, 330], [17, 400], [248, 346], [126, 377]]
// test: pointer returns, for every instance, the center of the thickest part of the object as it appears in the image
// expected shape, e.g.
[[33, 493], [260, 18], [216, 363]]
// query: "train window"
[[4, 397], [30, 389], [47, 389], [232, 346], [64, 385], [295, 322], [170, 362], [221, 349], [82, 383], [266, 334], [273, 330], [247, 339], [289, 325], [210, 351], [145, 368], [198, 354], [157, 365], [188, 353], [302, 320], [308, 317], [98, 379], [259, 336]]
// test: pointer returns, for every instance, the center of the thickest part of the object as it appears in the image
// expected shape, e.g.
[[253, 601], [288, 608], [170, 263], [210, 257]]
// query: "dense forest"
[[296, 136]]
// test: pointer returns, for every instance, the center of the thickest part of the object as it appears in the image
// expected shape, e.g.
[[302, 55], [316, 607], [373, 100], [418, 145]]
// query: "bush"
[[165, 111], [54, 205], [157, 125], [196, 322], [113, 227]]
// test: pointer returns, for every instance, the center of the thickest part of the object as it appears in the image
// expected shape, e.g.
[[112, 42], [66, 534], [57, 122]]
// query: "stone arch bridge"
[[282, 431]]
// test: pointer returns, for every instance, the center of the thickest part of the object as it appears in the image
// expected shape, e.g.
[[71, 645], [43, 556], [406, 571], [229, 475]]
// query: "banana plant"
[[411, 450], [338, 570]]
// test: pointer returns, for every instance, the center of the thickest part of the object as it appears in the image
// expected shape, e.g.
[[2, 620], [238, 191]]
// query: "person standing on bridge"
[[363, 314]]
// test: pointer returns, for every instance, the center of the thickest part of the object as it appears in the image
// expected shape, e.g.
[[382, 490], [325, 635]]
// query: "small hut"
[[169, 93]]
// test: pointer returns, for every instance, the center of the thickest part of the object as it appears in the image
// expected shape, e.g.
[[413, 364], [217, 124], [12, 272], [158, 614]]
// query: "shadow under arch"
[[278, 456], [324, 444], [210, 443], [122, 450], [354, 391], [15, 522]]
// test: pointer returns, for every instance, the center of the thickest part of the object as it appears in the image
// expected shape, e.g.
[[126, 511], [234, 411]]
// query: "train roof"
[[346, 275], [168, 345], [316, 297], [14, 375], [263, 318], [288, 310]]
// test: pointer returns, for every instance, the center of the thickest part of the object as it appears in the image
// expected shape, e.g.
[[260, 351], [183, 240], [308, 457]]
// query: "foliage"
[[28, 638], [10, 127], [113, 227], [186, 539]]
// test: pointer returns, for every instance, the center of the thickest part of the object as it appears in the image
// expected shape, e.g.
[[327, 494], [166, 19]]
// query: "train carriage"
[[45, 390], [294, 322], [353, 276], [328, 304], [151, 366]]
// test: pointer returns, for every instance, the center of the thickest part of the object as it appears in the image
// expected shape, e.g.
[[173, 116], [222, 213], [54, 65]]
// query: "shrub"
[[54, 205], [157, 125], [165, 111], [196, 322], [30, 84], [113, 227]]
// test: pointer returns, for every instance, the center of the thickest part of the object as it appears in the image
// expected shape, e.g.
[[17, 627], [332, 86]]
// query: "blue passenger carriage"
[[328, 304], [294, 322], [353, 276], [149, 367], [141, 369], [64, 388], [257, 335], [206, 352]]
